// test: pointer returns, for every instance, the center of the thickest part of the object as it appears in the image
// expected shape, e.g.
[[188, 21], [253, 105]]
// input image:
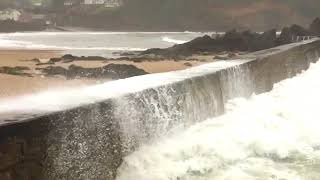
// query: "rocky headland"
[[234, 41]]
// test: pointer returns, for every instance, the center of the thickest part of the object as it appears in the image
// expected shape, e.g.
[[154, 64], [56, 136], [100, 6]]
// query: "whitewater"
[[271, 136]]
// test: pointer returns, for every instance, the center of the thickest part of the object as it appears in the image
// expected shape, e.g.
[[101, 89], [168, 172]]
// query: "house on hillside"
[[72, 2], [113, 3], [37, 3], [10, 14], [93, 2], [68, 3], [106, 3]]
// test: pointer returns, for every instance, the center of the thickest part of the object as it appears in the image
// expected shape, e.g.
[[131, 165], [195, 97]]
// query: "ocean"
[[94, 43]]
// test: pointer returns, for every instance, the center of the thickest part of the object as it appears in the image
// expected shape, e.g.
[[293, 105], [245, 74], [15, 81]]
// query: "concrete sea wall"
[[87, 140]]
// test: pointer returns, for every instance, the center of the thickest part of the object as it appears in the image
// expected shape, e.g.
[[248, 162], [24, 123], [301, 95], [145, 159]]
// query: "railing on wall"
[[301, 38]]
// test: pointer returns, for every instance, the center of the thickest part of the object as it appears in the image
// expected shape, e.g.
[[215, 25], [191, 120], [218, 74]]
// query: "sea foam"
[[270, 136]]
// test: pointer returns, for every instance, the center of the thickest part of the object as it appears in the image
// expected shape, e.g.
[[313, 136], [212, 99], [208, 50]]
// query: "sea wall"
[[88, 141]]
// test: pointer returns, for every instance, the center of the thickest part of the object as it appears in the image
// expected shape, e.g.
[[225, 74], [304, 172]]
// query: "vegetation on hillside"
[[184, 14]]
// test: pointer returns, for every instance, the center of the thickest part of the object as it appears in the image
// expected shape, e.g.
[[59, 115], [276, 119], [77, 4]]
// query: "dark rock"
[[54, 60], [147, 57], [67, 61], [221, 57], [18, 70], [231, 41], [237, 41], [315, 27], [124, 58], [231, 55], [299, 30], [36, 60], [187, 64], [120, 71], [129, 53], [112, 71], [264, 41], [45, 63], [157, 51], [289, 34], [91, 58], [285, 36], [22, 68], [69, 57], [54, 70], [200, 44], [137, 60]]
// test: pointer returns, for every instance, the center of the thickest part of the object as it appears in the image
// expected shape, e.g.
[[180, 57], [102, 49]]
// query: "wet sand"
[[14, 85]]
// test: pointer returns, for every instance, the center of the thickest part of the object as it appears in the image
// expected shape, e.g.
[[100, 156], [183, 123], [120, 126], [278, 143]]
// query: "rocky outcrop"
[[315, 27], [238, 41], [289, 34], [70, 57], [231, 41], [54, 71], [264, 41], [18, 70], [200, 44], [110, 71]]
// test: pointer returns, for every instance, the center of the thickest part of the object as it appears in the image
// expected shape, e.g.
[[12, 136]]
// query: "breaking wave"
[[272, 136], [175, 41], [13, 44]]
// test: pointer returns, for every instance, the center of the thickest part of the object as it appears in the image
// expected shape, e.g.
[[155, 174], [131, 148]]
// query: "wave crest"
[[175, 41]]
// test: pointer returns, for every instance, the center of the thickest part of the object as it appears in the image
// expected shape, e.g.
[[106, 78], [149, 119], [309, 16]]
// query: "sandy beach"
[[15, 85]]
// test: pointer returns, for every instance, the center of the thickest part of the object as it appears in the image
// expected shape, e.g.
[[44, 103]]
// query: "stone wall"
[[89, 142]]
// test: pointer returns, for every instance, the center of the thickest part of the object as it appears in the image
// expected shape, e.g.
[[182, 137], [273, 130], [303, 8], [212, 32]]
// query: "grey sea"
[[94, 43]]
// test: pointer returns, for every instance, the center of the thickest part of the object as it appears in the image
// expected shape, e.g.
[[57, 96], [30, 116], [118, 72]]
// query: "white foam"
[[175, 41], [59, 99], [107, 41], [271, 136], [16, 34], [13, 44]]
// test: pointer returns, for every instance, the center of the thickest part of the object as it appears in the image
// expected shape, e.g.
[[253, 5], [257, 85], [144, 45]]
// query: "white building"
[[94, 2], [10, 14], [106, 3], [68, 3], [113, 3]]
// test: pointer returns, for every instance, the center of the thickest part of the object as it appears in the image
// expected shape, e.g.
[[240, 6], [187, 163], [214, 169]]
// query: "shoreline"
[[18, 85], [15, 85]]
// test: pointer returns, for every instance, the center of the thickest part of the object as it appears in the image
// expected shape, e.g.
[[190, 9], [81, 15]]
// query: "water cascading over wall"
[[88, 141]]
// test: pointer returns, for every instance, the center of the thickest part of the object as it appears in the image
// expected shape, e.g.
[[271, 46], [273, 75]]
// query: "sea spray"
[[274, 135]]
